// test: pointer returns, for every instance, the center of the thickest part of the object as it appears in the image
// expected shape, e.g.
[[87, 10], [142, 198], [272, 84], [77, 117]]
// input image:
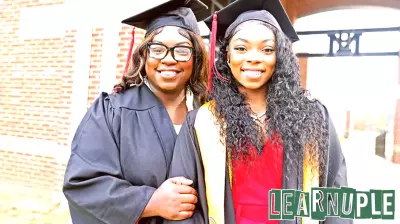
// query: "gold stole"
[[213, 154], [309, 181]]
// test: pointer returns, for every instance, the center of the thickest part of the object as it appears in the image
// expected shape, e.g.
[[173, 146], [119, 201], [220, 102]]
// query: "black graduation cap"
[[239, 11], [180, 13], [228, 18]]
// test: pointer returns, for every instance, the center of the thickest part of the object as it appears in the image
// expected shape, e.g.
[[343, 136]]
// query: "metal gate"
[[348, 42]]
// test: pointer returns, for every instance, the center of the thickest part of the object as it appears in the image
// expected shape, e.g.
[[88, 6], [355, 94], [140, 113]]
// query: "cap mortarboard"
[[180, 13], [239, 11]]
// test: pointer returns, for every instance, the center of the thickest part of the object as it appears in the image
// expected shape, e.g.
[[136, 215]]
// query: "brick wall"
[[36, 92], [63, 108], [30, 72], [32, 170]]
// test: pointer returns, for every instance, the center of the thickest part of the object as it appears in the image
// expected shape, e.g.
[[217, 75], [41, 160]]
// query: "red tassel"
[[130, 51], [212, 49], [213, 41]]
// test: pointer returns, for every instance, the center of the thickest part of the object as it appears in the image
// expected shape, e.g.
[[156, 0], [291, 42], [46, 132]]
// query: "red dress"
[[252, 180]]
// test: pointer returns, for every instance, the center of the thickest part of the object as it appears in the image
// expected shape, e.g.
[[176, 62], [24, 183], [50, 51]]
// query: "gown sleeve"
[[186, 162], [336, 169], [94, 184]]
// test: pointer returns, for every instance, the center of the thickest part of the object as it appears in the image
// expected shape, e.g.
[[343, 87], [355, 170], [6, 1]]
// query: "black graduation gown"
[[121, 152], [187, 162]]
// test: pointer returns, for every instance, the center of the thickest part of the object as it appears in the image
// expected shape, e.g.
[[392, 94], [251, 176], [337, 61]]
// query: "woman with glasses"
[[262, 131], [122, 150]]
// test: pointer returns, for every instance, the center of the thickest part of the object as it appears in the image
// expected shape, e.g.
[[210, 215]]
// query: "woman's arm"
[[186, 162]]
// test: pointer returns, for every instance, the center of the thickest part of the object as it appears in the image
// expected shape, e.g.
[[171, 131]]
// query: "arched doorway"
[[366, 89], [356, 81]]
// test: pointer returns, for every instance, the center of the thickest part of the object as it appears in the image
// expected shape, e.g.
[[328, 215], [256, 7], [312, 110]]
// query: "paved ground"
[[26, 205], [367, 171]]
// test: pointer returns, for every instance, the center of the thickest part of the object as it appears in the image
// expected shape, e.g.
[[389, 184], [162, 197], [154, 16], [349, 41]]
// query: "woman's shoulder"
[[204, 117], [323, 108], [135, 98], [199, 114], [208, 106], [206, 109], [129, 99]]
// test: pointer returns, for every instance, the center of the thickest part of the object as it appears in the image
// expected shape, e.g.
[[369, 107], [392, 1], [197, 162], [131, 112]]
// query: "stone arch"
[[308, 7]]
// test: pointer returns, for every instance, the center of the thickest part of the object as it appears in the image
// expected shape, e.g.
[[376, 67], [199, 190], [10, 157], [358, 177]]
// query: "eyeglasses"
[[179, 53]]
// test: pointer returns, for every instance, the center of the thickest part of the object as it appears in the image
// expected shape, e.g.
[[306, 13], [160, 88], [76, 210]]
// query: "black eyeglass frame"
[[169, 49]]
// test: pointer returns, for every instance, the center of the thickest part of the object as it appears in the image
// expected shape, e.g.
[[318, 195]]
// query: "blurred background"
[[56, 56]]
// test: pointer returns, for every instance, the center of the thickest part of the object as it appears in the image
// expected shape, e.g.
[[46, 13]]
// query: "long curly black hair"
[[291, 113]]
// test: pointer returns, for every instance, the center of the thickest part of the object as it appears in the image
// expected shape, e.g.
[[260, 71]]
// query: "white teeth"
[[168, 73], [252, 73]]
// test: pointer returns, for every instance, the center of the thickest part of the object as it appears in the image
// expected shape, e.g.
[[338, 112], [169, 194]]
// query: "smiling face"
[[252, 55], [167, 74]]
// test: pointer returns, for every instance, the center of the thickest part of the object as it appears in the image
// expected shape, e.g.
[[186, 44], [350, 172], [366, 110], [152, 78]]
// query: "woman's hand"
[[173, 200]]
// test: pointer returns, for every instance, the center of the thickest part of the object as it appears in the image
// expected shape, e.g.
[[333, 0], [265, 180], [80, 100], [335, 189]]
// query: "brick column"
[[109, 58], [396, 131], [303, 71], [80, 76]]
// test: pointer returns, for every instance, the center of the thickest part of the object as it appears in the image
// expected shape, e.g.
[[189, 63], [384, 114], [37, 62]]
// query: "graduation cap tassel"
[[212, 49], [213, 41], [130, 51]]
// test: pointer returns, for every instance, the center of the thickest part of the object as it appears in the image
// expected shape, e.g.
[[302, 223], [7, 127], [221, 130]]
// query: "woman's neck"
[[256, 98], [175, 102]]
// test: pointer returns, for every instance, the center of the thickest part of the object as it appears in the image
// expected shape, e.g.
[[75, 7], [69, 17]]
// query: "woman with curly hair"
[[121, 152], [261, 131]]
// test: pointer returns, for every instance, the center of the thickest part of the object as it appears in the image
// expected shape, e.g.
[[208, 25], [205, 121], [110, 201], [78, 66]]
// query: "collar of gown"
[[189, 102]]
